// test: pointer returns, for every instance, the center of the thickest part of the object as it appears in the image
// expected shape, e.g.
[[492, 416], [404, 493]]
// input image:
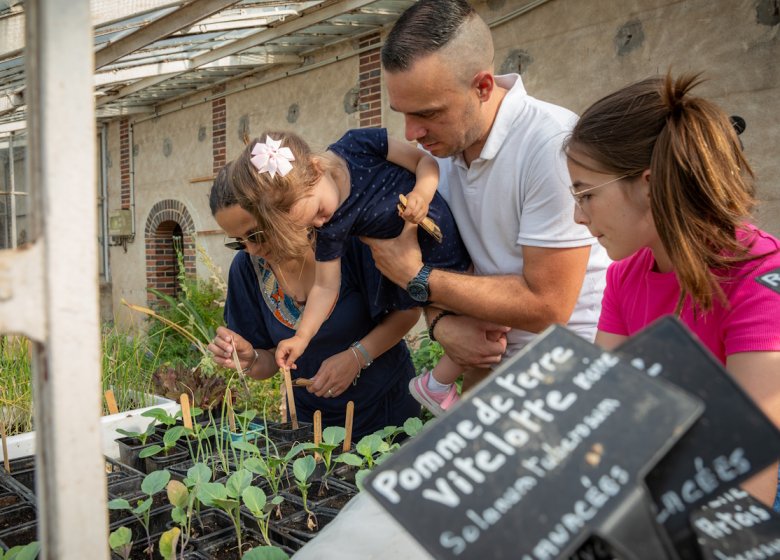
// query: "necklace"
[[300, 275]]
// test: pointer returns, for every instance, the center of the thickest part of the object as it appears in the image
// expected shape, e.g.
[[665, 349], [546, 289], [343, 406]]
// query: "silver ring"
[[330, 392]]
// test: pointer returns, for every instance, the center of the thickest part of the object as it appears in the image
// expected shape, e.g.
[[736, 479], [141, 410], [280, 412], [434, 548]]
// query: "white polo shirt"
[[516, 193]]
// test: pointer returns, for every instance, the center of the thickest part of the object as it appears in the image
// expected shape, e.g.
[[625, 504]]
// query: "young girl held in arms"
[[352, 189]]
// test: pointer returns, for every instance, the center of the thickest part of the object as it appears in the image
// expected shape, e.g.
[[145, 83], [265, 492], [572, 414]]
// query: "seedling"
[[227, 497], [140, 436], [183, 497], [332, 437], [303, 468], [256, 502], [121, 541], [171, 436], [152, 484], [272, 467]]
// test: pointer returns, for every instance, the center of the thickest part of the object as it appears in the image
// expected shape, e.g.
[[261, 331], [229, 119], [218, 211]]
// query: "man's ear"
[[484, 83]]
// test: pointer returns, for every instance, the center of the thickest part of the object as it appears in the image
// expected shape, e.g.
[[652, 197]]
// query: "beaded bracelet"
[[436, 320]]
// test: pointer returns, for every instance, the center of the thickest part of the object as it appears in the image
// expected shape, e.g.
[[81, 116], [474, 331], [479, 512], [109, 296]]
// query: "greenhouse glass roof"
[[152, 52]]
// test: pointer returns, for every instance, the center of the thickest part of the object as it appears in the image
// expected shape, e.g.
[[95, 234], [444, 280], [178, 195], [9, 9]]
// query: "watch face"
[[418, 292]]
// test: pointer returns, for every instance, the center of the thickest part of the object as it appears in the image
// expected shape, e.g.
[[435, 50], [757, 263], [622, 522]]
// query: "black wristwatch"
[[418, 286]]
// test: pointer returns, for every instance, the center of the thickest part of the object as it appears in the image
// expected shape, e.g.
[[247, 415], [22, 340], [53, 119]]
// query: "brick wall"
[[370, 83], [124, 163], [218, 132]]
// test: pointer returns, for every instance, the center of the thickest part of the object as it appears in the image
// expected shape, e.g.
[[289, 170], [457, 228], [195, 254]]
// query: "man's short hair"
[[424, 28]]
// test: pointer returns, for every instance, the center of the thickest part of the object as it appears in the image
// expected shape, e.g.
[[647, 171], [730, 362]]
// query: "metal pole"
[[14, 235], [70, 481]]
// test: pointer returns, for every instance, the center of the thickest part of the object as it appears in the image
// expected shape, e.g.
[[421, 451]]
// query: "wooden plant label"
[[6, 462], [348, 426], [548, 450], [111, 402], [317, 432], [290, 397], [186, 415], [230, 415]]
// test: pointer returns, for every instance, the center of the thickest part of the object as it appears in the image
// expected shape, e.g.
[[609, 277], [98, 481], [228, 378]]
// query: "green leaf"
[[368, 445], [237, 482], [297, 448], [246, 447], [120, 538], [227, 504], [248, 414], [168, 541], [178, 495], [412, 426], [333, 435], [265, 553], [179, 516], [160, 415], [155, 481], [150, 451], [350, 459], [143, 506], [211, 491], [254, 499], [199, 473], [257, 465], [172, 435], [27, 552], [119, 503], [359, 476], [303, 468]]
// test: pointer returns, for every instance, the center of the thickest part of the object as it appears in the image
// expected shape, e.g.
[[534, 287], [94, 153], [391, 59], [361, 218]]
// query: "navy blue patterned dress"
[[257, 309], [370, 210]]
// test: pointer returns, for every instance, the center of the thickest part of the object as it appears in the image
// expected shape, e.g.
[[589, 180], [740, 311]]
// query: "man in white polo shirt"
[[504, 175]]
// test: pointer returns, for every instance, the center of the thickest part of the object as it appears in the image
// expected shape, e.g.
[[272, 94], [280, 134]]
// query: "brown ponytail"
[[701, 189]]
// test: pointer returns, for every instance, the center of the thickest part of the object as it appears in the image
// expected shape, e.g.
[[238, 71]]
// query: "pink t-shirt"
[[636, 296]]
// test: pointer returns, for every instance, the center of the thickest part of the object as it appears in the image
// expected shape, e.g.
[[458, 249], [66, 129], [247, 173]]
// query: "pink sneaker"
[[437, 403]]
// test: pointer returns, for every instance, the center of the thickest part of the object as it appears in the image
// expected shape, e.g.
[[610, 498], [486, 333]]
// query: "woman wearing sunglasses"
[[660, 179], [357, 355]]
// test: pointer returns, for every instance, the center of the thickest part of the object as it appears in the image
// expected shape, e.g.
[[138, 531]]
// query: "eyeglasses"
[[578, 195], [239, 244]]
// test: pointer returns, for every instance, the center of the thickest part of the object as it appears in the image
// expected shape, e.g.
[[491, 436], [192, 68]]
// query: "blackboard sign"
[[734, 526], [731, 440], [546, 451]]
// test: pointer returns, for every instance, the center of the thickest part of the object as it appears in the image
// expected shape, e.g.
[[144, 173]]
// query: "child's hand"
[[416, 208], [289, 350]]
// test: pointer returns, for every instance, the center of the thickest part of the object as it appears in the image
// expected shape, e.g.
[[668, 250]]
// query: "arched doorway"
[[168, 233]]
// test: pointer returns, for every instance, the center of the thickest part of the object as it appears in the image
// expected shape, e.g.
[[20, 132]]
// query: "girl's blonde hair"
[[701, 186], [270, 199]]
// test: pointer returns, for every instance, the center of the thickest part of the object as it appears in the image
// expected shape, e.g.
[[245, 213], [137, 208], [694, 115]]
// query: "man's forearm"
[[505, 300]]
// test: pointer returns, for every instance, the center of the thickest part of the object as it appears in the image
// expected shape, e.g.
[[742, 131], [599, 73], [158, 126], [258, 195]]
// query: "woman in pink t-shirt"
[[660, 179]]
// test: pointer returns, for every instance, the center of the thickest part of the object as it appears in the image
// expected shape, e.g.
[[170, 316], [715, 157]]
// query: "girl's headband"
[[269, 157]]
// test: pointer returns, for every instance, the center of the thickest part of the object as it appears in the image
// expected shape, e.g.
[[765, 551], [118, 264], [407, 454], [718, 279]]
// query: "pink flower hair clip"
[[269, 157]]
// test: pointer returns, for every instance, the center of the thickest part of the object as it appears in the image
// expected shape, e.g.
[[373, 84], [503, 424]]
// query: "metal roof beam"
[[172, 68], [163, 27], [248, 42]]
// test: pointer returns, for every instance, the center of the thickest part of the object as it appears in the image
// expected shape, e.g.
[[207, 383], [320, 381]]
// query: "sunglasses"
[[239, 244]]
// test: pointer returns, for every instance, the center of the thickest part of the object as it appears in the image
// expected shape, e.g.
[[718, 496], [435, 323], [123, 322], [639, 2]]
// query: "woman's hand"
[[335, 375], [222, 348]]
